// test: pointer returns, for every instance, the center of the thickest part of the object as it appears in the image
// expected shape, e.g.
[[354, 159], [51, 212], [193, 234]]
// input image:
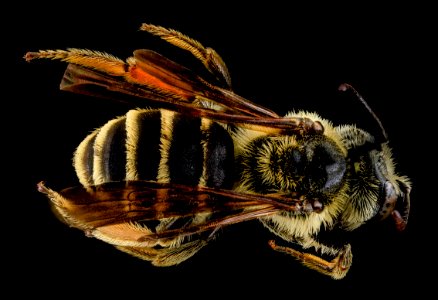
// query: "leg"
[[166, 256], [211, 60], [337, 268]]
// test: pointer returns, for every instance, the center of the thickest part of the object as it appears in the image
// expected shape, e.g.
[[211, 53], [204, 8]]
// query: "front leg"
[[337, 268]]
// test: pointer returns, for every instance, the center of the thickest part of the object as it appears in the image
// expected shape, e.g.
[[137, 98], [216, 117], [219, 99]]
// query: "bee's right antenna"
[[345, 86]]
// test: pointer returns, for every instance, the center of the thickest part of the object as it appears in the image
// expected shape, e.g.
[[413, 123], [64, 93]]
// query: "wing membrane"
[[111, 203], [149, 75], [152, 73], [90, 82]]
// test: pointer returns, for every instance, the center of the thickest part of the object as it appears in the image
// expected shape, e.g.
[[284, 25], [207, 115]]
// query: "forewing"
[[79, 79], [94, 207], [147, 75]]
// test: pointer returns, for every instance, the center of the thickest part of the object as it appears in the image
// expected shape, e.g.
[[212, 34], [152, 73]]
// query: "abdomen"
[[157, 145]]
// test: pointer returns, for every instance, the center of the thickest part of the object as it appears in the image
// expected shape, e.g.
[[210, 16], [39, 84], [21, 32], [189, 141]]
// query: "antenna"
[[345, 86]]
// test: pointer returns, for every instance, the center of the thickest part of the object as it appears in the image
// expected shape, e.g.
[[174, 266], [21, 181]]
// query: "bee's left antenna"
[[345, 86]]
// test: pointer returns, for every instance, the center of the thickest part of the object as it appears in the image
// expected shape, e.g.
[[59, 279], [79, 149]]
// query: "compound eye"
[[389, 200]]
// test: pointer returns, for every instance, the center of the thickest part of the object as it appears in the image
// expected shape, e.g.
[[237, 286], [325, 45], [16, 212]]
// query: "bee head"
[[394, 190], [394, 198]]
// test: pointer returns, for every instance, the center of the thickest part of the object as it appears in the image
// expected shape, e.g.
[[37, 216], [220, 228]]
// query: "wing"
[[150, 76], [98, 208]]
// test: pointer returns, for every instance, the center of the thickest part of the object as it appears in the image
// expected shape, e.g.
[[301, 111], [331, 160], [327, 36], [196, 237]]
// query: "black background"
[[281, 57]]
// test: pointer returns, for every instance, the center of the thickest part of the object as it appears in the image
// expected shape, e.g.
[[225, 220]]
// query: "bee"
[[159, 183]]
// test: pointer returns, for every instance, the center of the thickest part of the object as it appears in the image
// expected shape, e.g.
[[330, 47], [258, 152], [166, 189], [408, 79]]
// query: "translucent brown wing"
[[151, 77], [90, 208]]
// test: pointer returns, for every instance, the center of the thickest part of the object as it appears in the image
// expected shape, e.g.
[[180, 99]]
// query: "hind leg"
[[166, 256]]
